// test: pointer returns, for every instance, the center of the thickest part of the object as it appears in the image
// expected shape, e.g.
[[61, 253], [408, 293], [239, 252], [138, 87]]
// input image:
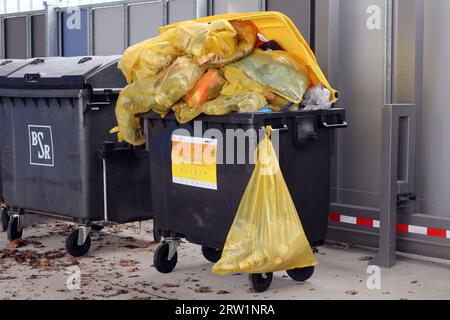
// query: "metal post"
[[90, 26], [51, 28], [2, 39], [262, 5], [201, 8], [126, 26], [312, 28], [165, 12], [388, 50]]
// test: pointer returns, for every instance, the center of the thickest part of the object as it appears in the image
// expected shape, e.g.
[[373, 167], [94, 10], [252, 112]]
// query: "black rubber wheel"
[[260, 282], [5, 219], [72, 246], [161, 261], [97, 227], [211, 254], [301, 274], [12, 230]]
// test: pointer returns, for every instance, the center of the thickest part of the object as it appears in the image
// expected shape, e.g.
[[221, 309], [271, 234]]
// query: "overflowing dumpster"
[[57, 157], [208, 88]]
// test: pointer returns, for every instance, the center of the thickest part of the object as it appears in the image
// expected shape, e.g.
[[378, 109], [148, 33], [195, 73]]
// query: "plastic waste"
[[207, 88], [266, 235], [238, 82], [148, 57], [223, 105], [158, 93], [317, 98], [198, 39], [277, 71]]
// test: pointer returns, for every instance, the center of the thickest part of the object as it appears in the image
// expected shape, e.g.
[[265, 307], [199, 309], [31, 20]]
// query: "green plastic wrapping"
[[278, 71]]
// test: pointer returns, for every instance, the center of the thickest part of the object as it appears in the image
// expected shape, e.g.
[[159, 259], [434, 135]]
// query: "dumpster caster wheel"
[[74, 248], [5, 219], [301, 274], [14, 229], [97, 227], [260, 282], [161, 259], [211, 254]]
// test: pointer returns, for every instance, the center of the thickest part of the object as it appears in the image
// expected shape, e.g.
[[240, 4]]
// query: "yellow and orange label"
[[194, 162]]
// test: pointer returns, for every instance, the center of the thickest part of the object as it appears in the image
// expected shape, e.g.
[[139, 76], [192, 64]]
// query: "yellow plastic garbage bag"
[[158, 93], [223, 105], [277, 71], [198, 39], [277, 26], [148, 58], [207, 88], [266, 235], [238, 82]]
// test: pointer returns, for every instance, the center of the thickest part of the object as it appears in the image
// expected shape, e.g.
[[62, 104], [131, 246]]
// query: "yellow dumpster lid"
[[277, 26]]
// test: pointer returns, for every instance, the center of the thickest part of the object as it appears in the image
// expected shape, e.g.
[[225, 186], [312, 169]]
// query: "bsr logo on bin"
[[41, 145]]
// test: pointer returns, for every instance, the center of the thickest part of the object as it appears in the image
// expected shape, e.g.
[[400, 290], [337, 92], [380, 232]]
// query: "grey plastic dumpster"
[[7, 67], [199, 203], [55, 154]]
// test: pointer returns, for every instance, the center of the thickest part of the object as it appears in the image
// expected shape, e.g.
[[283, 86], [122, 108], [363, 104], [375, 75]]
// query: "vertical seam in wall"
[[165, 12], [29, 36]]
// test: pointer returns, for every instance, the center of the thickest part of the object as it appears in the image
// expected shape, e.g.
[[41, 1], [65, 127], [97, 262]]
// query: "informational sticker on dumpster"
[[194, 162]]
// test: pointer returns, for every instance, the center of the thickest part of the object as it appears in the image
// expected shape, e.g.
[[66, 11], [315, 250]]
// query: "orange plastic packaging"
[[207, 88]]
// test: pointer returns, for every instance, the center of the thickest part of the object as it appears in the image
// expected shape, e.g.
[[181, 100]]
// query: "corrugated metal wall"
[[87, 29]]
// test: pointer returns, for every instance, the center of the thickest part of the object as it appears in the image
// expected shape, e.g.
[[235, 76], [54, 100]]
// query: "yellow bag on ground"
[[277, 71], [266, 235]]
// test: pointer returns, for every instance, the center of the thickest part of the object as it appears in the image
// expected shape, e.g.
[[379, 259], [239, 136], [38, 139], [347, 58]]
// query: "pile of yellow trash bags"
[[206, 68]]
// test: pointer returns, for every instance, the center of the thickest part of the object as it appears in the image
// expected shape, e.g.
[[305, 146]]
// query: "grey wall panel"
[[433, 164], [74, 35], [357, 72], [145, 19], [297, 10], [180, 10], [108, 31], [16, 38], [38, 36], [404, 62], [323, 34], [235, 6]]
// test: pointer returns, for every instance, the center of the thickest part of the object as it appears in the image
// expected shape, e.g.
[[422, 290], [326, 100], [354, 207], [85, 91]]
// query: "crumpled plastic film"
[[207, 88], [277, 71], [223, 105], [238, 82], [199, 39], [317, 98], [175, 82], [148, 57], [266, 235], [158, 93]]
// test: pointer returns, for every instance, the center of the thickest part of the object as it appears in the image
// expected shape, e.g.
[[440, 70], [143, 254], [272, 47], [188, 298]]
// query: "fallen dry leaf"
[[128, 263], [16, 243], [223, 292], [351, 292], [203, 290]]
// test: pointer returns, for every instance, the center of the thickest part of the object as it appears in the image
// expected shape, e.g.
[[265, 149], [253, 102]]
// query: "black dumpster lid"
[[8, 66], [66, 73]]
